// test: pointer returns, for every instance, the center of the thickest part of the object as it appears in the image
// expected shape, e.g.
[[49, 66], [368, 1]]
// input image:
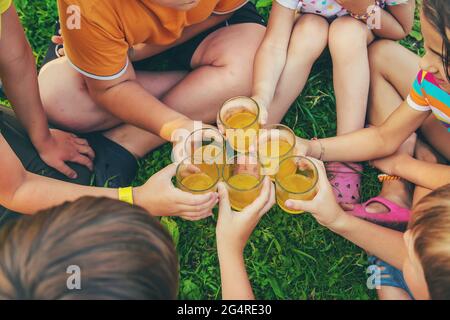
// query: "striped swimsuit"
[[426, 95]]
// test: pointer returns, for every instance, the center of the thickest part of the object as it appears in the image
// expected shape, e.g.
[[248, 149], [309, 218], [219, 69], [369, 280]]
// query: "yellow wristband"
[[126, 195]]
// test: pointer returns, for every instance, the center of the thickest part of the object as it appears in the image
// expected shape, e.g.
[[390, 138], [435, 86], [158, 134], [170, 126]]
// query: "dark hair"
[[430, 228], [121, 251], [437, 13]]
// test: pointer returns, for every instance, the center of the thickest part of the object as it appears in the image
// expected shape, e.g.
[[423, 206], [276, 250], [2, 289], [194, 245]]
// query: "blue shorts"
[[390, 276]]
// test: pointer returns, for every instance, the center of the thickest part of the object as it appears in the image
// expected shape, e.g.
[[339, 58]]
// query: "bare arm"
[[19, 76], [371, 143], [126, 99], [271, 56], [425, 174], [235, 282], [17, 66], [395, 21], [382, 242], [28, 193]]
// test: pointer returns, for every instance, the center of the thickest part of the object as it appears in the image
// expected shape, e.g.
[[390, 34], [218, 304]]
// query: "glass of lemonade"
[[197, 178], [296, 180], [240, 118], [244, 180], [206, 145], [275, 143]]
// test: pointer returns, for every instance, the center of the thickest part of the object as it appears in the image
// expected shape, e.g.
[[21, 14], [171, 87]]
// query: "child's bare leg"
[[392, 293], [392, 73], [309, 39], [425, 152], [348, 41]]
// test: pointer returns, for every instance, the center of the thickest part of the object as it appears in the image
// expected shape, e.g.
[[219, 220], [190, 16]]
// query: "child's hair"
[[437, 13], [430, 228], [121, 252]]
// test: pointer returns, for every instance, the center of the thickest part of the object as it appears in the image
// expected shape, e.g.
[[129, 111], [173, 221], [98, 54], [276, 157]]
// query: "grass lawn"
[[287, 257]]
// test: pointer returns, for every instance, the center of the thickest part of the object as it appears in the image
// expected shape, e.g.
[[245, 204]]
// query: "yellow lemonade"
[[239, 140], [271, 159], [241, 120], [295, 187], [283, 148], [197, 182], [244, 190]]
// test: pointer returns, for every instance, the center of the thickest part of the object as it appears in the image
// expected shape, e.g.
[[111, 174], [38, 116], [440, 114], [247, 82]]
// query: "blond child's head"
[[427, 269]]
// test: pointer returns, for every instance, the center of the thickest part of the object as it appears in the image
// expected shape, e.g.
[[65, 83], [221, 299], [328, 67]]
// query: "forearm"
[[421, 173], [235, 282], [131, 103], [19, 77], [386, 244], [271, 57], [362, 145], [35, 193], [269, 64]]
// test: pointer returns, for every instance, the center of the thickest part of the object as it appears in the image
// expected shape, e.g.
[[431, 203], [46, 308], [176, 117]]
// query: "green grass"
[[287, 257]]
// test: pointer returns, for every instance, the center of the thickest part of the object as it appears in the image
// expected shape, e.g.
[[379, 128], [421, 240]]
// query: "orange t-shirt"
[[98, 33]]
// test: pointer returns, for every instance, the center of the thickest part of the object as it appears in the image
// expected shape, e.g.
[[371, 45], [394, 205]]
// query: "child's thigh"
[[392, 72], [396, 64]]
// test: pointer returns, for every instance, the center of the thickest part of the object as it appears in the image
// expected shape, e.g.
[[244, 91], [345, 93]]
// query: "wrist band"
[[322, 149], [126, 195], [378, 5], [385, 177]]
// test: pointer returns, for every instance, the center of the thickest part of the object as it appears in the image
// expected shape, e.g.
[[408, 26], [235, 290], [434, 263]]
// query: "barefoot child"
[[427, 107], [422, 253], [294, 42]]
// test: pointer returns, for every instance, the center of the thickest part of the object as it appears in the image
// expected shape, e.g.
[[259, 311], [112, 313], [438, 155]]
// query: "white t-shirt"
[[325, 8]]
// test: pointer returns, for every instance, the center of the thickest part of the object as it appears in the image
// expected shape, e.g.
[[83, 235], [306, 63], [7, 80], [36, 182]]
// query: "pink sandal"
[[345, 178], [397, 217]]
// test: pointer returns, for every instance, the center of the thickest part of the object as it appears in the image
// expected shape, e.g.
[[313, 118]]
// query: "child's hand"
[[234, 228], [323, 207], [302, 147], [61, 147], [161, 198], [59, 41]]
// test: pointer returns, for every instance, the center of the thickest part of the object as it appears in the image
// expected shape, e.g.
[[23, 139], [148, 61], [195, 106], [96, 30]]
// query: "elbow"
[[11, 192], [404, 31]]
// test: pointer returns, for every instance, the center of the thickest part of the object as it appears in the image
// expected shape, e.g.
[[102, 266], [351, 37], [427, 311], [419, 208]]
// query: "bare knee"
[[346, 34], [65, 97], [379, 53], [310, 35], [238, 63]]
